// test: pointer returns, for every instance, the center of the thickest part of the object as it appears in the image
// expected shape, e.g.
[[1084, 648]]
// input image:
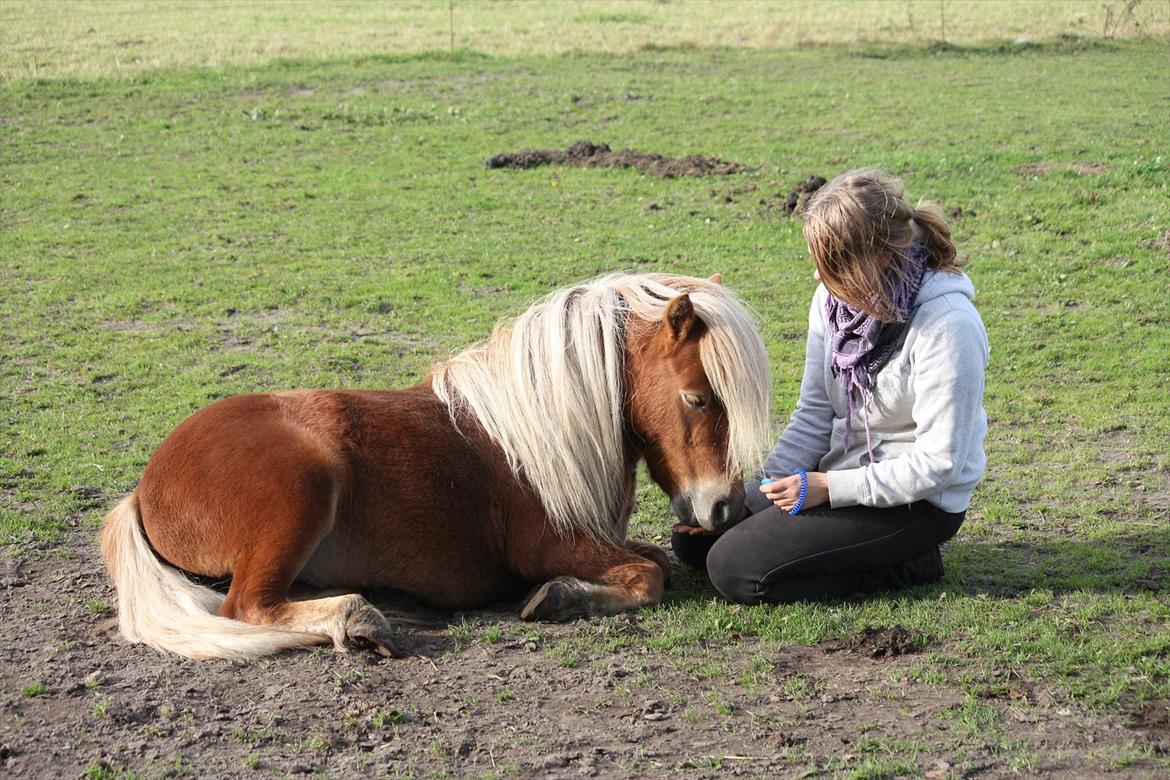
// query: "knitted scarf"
[[862, 345]]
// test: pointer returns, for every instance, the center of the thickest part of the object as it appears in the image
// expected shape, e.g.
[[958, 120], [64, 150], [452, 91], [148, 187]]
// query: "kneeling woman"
[[876, 466]]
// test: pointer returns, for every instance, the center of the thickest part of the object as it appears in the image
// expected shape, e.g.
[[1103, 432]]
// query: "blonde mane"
[[548, 390]]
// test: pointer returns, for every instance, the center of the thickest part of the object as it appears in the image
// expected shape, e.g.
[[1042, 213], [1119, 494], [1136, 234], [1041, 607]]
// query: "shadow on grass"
[[1131, 562]]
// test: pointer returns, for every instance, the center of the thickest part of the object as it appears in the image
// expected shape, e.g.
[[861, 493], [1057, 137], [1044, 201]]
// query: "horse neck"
[[524, 499]]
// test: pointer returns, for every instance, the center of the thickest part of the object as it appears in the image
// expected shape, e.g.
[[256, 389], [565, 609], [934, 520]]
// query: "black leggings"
[[822, 553]]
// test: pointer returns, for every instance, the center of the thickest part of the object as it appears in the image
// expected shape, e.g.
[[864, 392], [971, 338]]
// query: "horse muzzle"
[[714, 506]]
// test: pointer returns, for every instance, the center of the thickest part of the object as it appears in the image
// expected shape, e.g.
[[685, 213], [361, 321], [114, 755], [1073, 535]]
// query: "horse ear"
[[679, 317], [717, 278]]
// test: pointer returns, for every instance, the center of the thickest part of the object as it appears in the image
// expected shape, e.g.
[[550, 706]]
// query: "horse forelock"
[[734, 359], [548, 390]]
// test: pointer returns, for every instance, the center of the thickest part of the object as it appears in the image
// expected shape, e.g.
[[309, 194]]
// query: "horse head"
[[697, 388]]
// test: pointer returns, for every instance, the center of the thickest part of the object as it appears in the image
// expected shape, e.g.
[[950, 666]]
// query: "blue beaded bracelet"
[[803, 490]]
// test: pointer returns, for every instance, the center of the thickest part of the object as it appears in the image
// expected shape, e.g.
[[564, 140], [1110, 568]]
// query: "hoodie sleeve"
[[805, 439], [948, 366]]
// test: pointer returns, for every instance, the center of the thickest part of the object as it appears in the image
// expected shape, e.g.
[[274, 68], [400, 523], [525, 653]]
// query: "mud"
[[481, 694], [589, 155]]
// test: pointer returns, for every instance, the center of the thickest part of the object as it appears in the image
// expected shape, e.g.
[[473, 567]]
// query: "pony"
[[509, 470]]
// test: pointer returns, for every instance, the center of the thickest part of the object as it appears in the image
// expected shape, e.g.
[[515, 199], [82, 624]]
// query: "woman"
[[887, 437]]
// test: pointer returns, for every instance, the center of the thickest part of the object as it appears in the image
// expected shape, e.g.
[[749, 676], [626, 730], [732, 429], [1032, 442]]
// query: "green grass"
[[99, 771], [33, 689], [178, 236]]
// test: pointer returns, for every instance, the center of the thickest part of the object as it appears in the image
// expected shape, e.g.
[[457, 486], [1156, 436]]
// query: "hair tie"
[[803, 491]]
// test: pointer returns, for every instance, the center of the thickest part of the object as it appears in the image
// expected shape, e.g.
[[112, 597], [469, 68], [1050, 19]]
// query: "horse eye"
[[694, 400]]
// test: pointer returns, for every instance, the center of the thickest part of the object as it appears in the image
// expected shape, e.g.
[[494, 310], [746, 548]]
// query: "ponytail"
[[940, 249]]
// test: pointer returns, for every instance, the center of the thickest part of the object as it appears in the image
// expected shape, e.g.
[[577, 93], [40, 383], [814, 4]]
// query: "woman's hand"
[[690, 530], [784, 492]]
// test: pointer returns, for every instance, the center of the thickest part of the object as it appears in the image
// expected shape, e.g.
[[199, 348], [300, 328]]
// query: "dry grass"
[[91, 38]]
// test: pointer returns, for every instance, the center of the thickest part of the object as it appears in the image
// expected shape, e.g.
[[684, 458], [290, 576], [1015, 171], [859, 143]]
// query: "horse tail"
[[161, 607]]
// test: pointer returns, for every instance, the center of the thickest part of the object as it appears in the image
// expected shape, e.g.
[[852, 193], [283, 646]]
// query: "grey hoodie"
[[926, 420]]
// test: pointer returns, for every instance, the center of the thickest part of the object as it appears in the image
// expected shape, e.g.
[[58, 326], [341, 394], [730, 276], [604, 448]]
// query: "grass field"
[[171, 236], [87, 38]]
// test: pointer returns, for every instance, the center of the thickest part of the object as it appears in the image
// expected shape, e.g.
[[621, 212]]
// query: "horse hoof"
[[368, 627], [556, 601]]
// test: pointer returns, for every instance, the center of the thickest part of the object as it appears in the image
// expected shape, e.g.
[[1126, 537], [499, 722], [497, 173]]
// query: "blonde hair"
[[547, 389], [854, 220]]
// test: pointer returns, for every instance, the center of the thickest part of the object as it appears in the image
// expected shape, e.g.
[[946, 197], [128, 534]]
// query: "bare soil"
[[77, 699], [1043, 168], [584, 154]]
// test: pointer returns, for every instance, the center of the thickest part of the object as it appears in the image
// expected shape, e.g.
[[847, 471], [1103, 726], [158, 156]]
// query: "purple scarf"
[[862, 345]]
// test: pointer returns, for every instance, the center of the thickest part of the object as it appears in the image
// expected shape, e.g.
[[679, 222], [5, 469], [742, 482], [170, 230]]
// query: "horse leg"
[[596, 579], [654, 553], [264, 572], [346, 620]]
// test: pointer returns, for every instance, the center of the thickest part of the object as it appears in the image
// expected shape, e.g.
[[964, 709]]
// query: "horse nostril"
[[721, 514]]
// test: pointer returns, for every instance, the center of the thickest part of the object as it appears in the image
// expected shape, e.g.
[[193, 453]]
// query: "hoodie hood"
[[936, 284]]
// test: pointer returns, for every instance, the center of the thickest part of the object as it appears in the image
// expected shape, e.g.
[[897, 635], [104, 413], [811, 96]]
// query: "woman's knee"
[[725, 568]]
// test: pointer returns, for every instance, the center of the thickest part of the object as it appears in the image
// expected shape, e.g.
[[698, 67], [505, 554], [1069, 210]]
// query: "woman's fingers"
[[783, 492], [781, 488], [688, 530]]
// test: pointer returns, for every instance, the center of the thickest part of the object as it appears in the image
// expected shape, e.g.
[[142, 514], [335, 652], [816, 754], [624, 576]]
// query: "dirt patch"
[[1162, 242], [1152, 721], [1148, 488], [886, 642], [481, 693], [589, 155], [1040, 169]]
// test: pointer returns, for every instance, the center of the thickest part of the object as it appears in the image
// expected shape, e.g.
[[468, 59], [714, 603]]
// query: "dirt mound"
[[584, 154], [882, 642], [788, 204], [797, 199]]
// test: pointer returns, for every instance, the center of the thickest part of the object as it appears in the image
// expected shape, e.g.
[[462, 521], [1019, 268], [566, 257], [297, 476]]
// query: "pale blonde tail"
[[159, 606]]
